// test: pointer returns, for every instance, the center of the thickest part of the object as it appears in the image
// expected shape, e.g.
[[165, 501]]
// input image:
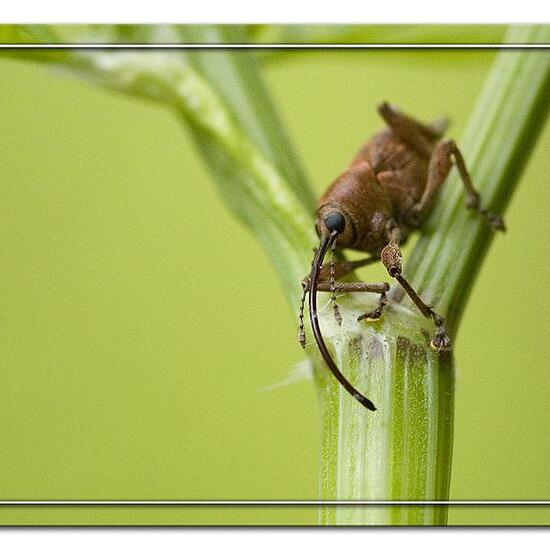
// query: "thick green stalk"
[[403, 451]]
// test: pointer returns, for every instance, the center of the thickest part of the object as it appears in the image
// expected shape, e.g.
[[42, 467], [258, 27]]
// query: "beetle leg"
[[337, 270], [377, 288], [376, 313], [392, 260], [440, 164], [342, 268], [327, 283]]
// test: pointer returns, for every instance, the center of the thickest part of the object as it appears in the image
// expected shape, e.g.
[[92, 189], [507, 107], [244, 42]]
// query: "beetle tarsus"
[[441, 342], [375, 314]]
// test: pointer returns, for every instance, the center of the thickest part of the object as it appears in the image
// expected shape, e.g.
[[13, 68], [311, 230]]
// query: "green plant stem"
[[251, 185], [502, 132], [371, 34], [236, 76], [404, 450]]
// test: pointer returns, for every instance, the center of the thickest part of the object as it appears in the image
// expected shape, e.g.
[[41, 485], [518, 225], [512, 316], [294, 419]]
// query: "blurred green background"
[[140, 323]]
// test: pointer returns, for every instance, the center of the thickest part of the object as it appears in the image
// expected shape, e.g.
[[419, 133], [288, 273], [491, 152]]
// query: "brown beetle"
[[387, 192]]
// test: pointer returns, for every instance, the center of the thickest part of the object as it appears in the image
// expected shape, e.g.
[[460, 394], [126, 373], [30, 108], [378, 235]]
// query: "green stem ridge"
[[404, 449]]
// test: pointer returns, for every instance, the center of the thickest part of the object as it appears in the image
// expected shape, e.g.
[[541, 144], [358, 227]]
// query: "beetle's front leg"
[[328, 286], [376, 288], [328, 275], [392, 259]]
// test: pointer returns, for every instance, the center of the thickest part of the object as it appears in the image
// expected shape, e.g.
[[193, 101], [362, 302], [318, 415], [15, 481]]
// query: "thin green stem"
[[236, 77], [502, 131]]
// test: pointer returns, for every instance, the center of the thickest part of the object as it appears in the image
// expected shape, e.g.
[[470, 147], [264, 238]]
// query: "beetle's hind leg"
[[417, 135], [441, 163]]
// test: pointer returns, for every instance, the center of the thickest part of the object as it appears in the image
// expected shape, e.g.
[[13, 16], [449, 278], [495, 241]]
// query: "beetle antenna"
[[337, 315], [327, 242], [301, 330], [305, 288]]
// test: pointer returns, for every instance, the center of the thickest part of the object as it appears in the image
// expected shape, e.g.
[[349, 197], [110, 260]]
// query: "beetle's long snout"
[[326, 244]]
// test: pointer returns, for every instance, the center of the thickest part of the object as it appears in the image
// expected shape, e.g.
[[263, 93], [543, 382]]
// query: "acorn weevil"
[[386, 193]]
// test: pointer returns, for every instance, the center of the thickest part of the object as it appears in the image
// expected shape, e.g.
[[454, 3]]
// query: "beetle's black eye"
[[335, 222]]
